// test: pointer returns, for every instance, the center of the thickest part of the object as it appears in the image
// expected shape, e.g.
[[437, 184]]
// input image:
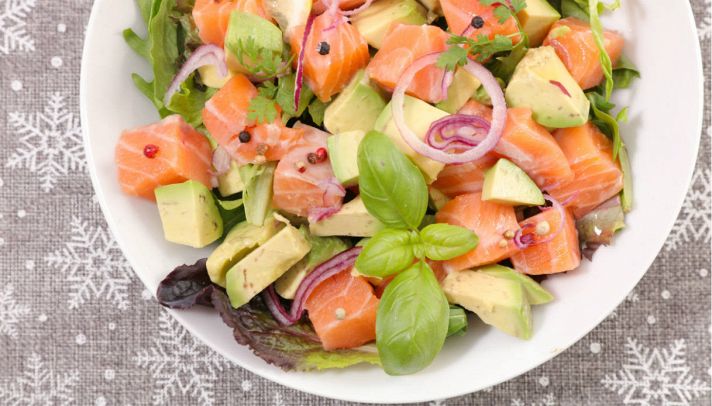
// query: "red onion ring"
[[357, 10], [326, 270], [299, 80], [499, 113], [204, 55], [452, 130], [523, 241], [445, 83]]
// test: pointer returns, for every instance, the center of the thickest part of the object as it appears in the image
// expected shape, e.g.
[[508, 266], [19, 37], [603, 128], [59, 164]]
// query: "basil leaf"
[[624, 73], [391, 186], [457, 322], [412, 321], [388, 252], [444, 241]]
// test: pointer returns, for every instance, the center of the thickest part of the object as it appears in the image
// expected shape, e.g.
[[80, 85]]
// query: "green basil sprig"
[[412, 321], [391, 186], [388, 252], [444, 241]]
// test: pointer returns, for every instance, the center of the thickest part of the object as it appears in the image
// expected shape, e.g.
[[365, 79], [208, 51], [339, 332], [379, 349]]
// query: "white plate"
[[662, 135]]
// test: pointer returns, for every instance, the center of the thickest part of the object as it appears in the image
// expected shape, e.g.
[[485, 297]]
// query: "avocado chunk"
[[463, 87], [247, 31], [253, 273], [343, 152], [433, 7], [418, 115], [374, 22], [536, 19], [536, 294], [240, 241], [322, 249], [189, 214], [542, 84], [356, 108], [438, 199], [353, 220], [506, 183], [211, 77], [230, 182], [499, 302]]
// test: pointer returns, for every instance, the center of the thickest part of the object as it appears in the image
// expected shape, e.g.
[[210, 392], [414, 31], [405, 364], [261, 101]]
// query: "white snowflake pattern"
[[278, 399], [50, 142], [13, 27], [658, 375], [93, 265], [38, 385], [179, 363], [704, 28], [10, 312], [438, 402], [693, 223], [548, 400], [630, 297]]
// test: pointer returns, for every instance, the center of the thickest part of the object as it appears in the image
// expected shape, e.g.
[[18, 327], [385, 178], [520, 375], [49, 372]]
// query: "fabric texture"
[[78, 327]]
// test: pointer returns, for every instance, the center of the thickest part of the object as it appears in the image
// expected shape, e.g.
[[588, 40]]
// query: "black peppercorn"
[[312, 158], [477, 22], [324, 48], [245, 137]]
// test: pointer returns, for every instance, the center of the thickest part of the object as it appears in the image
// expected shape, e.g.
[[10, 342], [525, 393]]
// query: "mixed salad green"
[[373, 171]]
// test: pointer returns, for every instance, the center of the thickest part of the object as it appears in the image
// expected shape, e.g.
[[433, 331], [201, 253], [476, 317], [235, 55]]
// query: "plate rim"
[[272, 377]]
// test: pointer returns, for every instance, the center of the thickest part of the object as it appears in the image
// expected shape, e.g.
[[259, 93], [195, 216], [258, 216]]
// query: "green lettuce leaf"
[[257, 195], [171, 39]]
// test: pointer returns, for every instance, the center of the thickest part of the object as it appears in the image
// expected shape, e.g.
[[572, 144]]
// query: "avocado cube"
[[536, 294], [353, 220], [356, 108], [322, 249], [261, 267], [418, 115], [374, 22], [499, 302], [463, 87], [189, 214], [506, 183], [250, 31], [343, 152], [542, 83], [230, 182], [438, 199], [240, 241], [211, 77], [536, 19]]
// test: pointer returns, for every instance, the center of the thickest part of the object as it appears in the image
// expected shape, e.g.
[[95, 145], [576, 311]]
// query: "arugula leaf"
[[285, 97], [388, 252], [624, 73], [391, 186], [601, 107], [171, 38], [574, 8], [317, 109], [189, 102], [412, 321], [444, 241], [627, 193], [457, 322], [503, 67]]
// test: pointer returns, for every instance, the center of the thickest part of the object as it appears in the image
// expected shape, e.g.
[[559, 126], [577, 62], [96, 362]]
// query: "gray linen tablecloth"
[[78, 327]]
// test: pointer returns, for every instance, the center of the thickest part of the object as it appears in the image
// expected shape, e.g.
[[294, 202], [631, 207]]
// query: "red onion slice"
[[326, 270], [445, 83], [561, 87], [221, 161], [459, 130], [203, 56], [357, 10], [299, 79], [499, 113], [523, 241]]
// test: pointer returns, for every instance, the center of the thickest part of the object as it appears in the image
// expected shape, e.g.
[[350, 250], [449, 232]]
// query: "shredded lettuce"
[[170, 40], [257, 195]]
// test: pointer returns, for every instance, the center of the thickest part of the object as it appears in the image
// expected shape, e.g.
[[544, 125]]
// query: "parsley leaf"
[[503, 11], [454, 56], [482, 48], [260, 62], [262, 108]]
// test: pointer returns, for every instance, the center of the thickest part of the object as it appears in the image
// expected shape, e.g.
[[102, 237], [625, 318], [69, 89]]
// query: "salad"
[[368, 173]]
